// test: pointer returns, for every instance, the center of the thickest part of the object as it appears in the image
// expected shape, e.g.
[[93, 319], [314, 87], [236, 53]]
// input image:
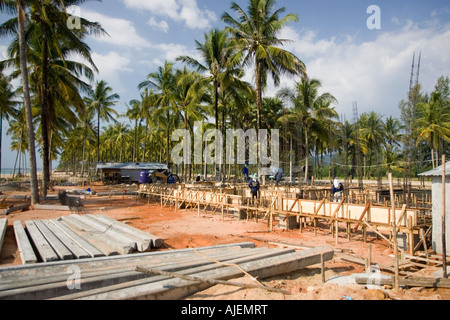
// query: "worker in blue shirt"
[[245, 172], [254, 188], [336, 190]]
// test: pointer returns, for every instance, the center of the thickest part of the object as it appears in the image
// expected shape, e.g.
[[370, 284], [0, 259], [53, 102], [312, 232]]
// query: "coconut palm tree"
[[7, 105], [134, 113], [18, 7], [433, 123], [163, 84], [102, 99], [52, 38], [256, 43], [309, 108]]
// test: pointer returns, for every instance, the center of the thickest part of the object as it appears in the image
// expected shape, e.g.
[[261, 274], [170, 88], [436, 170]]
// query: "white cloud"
[[194, 17], [161, 25], [186, 11], [3, 54], [161, 7], [111, 66], [121, 32], [375, 73]]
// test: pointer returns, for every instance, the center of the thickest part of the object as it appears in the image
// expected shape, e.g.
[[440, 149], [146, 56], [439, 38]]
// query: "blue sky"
[[354, 63]]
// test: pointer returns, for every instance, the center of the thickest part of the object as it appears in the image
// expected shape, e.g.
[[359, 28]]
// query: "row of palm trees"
[[68, 117]]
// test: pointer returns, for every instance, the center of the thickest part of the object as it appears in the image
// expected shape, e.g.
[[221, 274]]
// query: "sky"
[[360, 55]]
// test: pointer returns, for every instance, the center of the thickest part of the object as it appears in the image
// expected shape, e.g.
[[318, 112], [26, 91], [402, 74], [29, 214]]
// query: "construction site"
[[211, 240]]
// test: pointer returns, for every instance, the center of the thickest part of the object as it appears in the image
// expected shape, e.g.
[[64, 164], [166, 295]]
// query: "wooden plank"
[[44, 249], [26, 251], [408, 282], [77, 251], [366, 208], [56, 244]]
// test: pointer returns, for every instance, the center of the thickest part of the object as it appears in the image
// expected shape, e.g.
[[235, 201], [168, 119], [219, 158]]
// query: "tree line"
[[60, 113]]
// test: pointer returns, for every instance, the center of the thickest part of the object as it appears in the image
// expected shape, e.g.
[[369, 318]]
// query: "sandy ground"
[[184, 228]]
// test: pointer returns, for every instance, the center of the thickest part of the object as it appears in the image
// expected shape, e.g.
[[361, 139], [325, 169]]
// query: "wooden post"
[[322, 267], [337, 232], [394, 231], [444, 247]]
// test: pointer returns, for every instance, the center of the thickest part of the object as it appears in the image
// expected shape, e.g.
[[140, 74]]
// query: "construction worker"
[[254, 188], [245, 172], [277, 174], [336, 190]]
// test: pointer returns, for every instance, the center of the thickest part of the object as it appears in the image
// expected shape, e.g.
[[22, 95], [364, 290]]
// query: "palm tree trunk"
[[27, 103], [307, 155], [258, 112], [83, 154], [45, 99]]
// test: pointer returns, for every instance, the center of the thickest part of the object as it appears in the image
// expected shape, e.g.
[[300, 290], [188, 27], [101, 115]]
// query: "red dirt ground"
[[185, 228]]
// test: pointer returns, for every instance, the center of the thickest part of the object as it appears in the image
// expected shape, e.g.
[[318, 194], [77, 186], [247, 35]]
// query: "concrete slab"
[[26, 251]]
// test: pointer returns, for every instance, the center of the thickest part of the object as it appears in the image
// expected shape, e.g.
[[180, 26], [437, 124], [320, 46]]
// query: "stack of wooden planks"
[[79, 237], [158, 275]]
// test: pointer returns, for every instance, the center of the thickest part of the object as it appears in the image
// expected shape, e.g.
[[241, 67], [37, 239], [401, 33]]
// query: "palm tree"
[[102, 99], [53, 39], [256, 42], [163, 83], [21, 28], [7, 105], [308, 108], [433, 123], [134, 113], [371, 133]]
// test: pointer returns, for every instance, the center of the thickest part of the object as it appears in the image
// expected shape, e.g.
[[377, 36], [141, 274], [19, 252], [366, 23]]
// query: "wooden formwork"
[[274, 205]]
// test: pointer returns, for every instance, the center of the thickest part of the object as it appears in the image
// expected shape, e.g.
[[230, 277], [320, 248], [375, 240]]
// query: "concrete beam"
[[43, 249], [144, 240], [85, 245], [76, 251], [3, 226], [26, 251], [14, 209], [105, 244], [98, 280], [108, 230], [51, 207], [58, 247], [172, 289]]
